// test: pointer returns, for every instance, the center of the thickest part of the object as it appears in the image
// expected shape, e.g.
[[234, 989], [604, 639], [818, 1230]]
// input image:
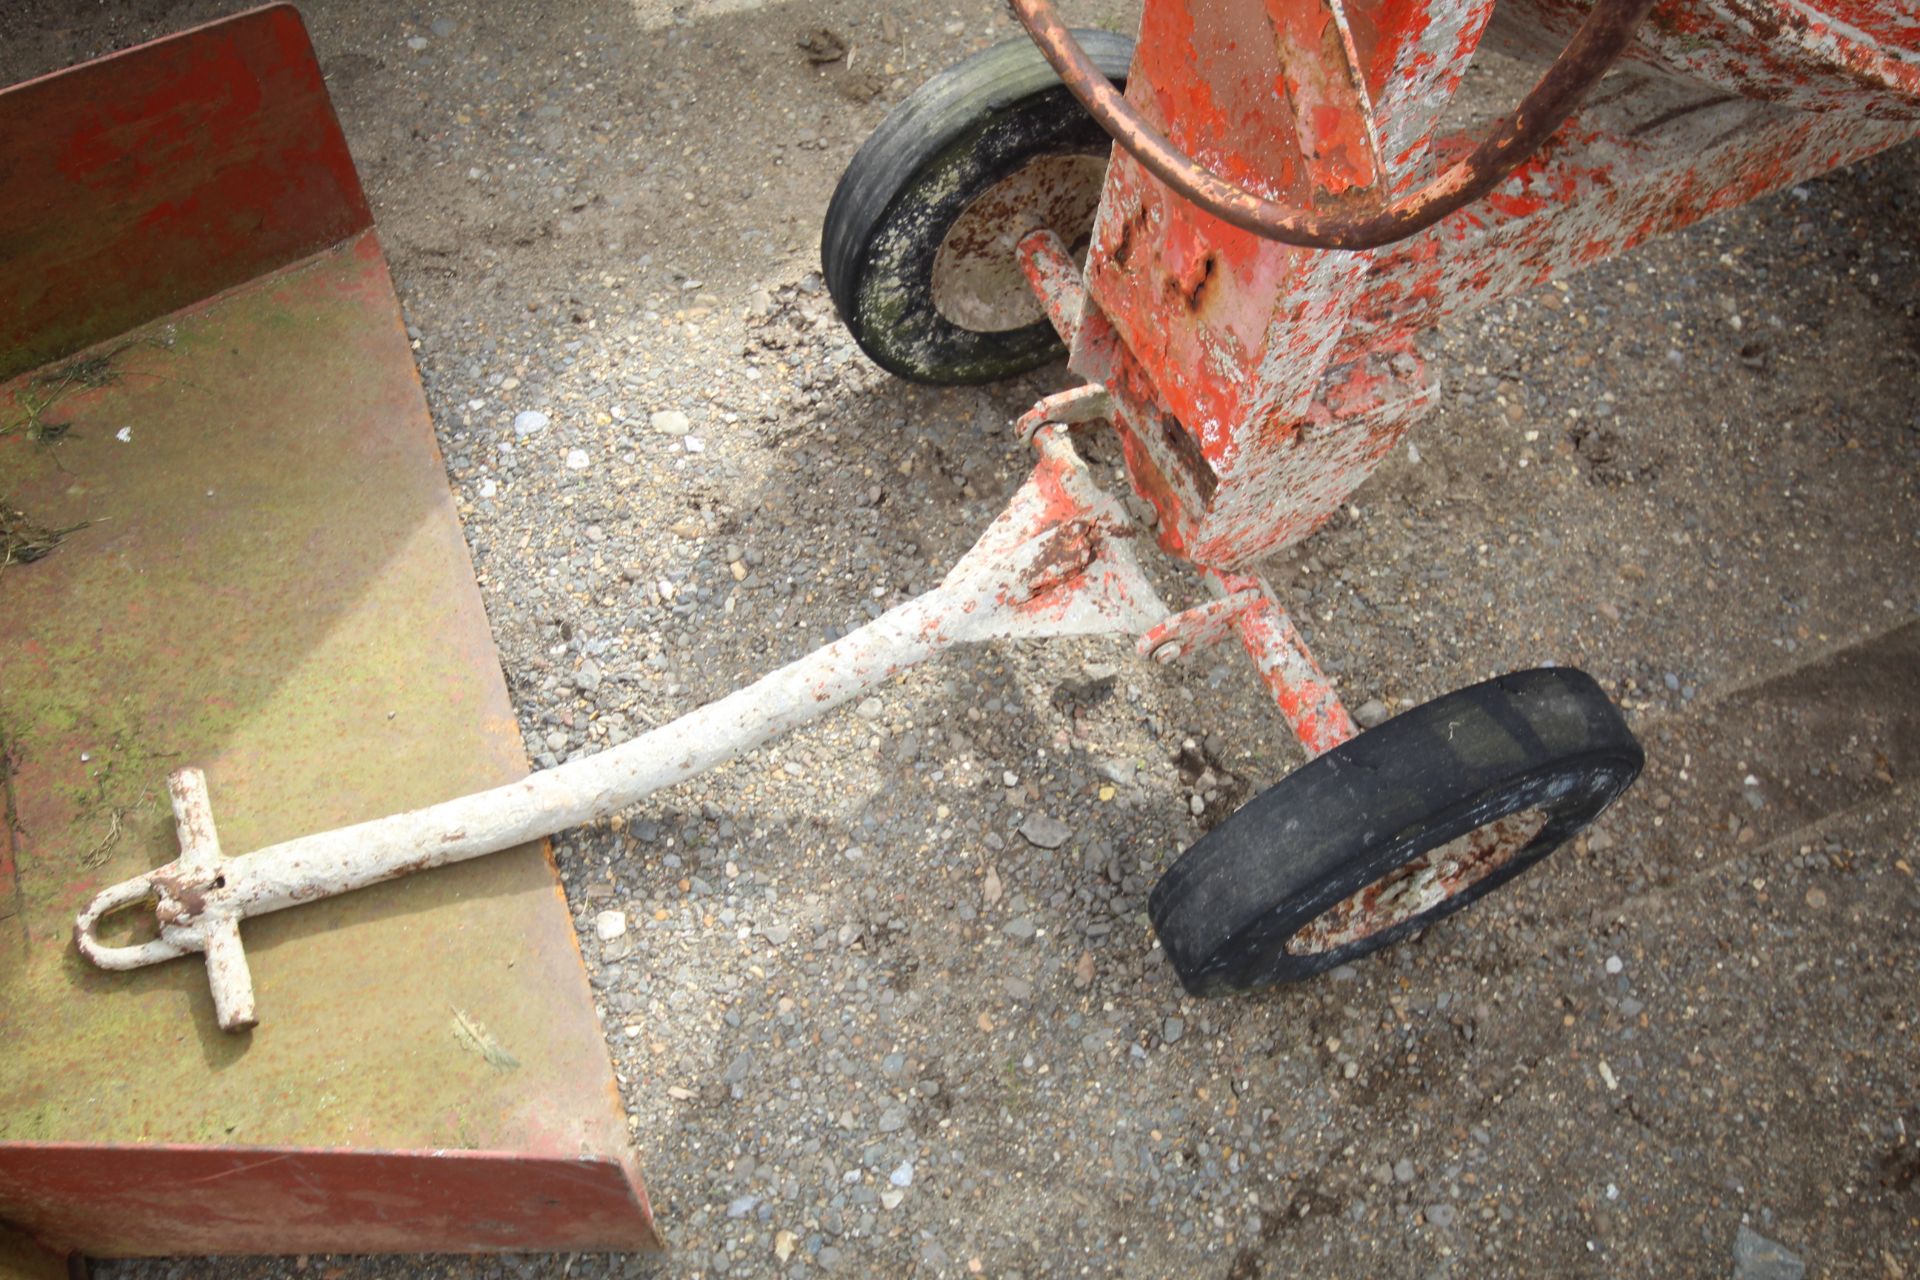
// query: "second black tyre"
[[917, 248]]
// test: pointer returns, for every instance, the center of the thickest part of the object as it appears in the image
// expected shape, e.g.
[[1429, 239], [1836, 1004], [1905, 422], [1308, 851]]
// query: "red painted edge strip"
[[146, 180]]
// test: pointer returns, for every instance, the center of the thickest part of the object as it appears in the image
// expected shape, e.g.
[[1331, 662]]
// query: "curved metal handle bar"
[[126, 894], [1592, 51]]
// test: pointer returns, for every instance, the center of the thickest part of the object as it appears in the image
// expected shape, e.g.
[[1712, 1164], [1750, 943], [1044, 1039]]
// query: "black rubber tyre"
[[954, 138], [1230, 912]]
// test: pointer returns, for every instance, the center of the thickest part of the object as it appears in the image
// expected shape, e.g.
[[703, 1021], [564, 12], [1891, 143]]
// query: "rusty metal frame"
[[1365, 216], [1254, 384]]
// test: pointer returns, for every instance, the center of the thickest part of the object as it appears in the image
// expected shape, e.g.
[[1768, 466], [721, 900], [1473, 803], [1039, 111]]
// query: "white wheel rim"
[[977, 281]]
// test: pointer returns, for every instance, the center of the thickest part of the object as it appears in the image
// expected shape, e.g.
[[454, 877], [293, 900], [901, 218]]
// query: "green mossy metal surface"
[[272, 586]]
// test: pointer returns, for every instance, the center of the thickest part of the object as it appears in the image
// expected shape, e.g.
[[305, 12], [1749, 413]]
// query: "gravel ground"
[[882, 997]]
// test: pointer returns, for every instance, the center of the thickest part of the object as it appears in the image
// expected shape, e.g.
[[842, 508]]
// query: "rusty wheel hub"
[[1417, 887], [977, 281]]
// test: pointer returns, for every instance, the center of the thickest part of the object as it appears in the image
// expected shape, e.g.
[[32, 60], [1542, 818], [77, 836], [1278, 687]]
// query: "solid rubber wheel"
[[917, 248], [1390, 831]]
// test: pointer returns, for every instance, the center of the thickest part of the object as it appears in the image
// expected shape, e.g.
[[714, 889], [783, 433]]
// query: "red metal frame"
[[1255, 385]]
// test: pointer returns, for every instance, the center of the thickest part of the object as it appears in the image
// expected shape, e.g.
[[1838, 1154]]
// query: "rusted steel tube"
[[1594, 48], [1306, 698], [1055, 280], [1088, 402]]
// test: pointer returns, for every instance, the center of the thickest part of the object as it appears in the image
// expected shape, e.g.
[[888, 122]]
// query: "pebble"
[[1403, 1170], [1371, 714], [870, 709], [1021, 928], [670, 422], [1440, 1215], [443, 27], [1172, 1029], [416, 43], [738, 1068], [1045, 831], [1757, 1258], [576, 459], [903, 1176], [893, 1119], [529, 422], [1615, 964], [608, 925]]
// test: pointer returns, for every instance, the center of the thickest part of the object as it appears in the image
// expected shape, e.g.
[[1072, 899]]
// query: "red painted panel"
[[122, 1201], [140, 183]]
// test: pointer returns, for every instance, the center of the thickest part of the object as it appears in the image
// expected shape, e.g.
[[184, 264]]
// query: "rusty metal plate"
[[175, 169], [226, 540], [268, 580], [265, 577]]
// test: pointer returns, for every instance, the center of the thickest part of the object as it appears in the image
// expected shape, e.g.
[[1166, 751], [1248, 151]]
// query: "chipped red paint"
[[1334, 125], [1606, 188], [1194, 631], [1306, 697], [1055, 280], [1256, 385]]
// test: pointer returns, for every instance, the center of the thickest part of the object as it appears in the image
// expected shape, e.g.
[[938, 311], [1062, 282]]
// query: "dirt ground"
[[851, 1011]]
